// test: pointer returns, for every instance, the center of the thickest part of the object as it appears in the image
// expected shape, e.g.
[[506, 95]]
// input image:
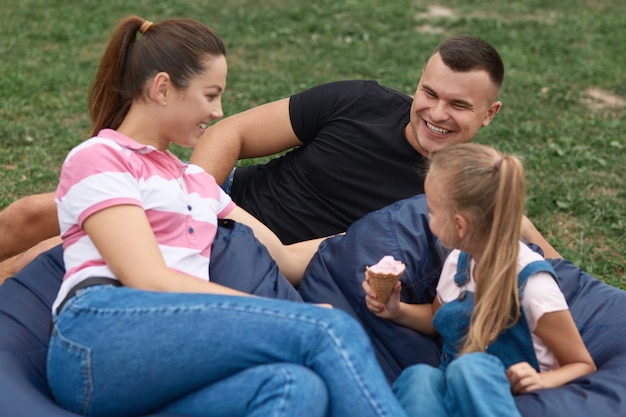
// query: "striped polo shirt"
[[182, 203]]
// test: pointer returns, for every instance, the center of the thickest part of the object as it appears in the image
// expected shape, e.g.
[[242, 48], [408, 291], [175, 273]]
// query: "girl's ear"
[[159, 87], [462, 225]]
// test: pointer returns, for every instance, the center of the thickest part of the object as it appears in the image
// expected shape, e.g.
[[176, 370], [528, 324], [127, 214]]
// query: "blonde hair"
[[489, 189]]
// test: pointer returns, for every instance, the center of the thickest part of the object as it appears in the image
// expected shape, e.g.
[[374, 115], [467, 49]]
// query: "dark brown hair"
[[468, 53], [179, 47]]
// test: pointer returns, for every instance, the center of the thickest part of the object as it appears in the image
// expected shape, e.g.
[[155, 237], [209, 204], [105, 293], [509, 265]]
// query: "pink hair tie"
[[498, 164]]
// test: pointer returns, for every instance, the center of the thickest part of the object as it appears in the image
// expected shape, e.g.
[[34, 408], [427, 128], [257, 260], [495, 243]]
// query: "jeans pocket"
[[69, 373]]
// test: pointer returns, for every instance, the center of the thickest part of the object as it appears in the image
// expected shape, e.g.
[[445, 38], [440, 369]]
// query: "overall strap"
[[512, 345], [531, 269], [462, 271], [462, 275]]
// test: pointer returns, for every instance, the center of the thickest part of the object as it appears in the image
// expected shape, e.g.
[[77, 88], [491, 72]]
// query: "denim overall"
[[474, 384], [452, 320]]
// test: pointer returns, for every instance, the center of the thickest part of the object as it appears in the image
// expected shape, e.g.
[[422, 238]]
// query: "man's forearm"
[[532, 235]]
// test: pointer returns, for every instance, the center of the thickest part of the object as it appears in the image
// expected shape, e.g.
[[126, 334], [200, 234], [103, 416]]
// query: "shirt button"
[[189, 208], [190, 230]]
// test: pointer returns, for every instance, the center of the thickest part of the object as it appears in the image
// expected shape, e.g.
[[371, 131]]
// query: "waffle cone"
[[382, 284]]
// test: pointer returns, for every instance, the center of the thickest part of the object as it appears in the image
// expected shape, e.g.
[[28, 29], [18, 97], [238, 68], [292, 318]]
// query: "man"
[[358, 147]]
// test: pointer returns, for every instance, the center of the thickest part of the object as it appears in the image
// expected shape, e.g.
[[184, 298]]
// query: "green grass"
[[573, 151]]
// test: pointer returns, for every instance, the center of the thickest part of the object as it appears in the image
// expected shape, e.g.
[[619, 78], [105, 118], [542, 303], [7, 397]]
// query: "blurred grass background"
[[564, 93]]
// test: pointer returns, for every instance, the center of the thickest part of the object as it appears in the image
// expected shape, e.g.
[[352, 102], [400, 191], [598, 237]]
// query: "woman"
[[138, 325]]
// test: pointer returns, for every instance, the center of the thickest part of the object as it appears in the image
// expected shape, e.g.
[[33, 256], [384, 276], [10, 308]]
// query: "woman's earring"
[[164, 103]]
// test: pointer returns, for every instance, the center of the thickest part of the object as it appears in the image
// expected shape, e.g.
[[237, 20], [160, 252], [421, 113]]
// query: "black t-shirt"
[[355, 159]]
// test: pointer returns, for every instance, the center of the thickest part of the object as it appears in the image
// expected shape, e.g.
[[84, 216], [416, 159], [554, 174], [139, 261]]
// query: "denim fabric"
[[228, 184], [452, 320], [474, 384], [279, 389], [513, 345], [124, 352]]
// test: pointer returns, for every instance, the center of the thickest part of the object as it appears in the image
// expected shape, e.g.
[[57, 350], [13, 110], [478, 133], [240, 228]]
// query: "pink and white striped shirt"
[[182, 203]]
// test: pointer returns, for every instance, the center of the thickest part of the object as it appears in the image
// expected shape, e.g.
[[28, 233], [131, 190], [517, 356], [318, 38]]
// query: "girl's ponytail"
[[489, 189]]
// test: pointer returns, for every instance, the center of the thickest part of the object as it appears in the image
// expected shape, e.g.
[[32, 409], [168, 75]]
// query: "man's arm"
[[291, 259], [260, 131], [532, 235], [26, 222], [12, 266]]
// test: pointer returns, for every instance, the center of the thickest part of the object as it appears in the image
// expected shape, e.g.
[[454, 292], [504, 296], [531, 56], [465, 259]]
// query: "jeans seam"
[[350, 365], [286, 388], [71, 345], [199, 306]]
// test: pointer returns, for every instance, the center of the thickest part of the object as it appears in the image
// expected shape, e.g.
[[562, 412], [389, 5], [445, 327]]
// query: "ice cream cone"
[[383, 282]]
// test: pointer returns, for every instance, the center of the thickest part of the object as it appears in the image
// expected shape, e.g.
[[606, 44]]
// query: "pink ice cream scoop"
[[388, 265]]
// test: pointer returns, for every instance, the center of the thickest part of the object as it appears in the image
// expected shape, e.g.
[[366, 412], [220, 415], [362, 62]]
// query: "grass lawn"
[[564, 94]]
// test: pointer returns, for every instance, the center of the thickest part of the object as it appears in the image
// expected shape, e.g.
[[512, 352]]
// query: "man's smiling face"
[[450, 107]]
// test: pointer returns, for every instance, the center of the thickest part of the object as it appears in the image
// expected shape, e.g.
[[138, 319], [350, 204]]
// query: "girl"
[[505, 325], [138, 326]]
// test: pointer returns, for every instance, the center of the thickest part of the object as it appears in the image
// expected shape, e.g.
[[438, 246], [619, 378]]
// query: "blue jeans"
[[117, 351], [228, 184], [474, 384]]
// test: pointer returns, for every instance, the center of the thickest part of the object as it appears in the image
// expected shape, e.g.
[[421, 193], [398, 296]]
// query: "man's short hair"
[[468, 53]]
